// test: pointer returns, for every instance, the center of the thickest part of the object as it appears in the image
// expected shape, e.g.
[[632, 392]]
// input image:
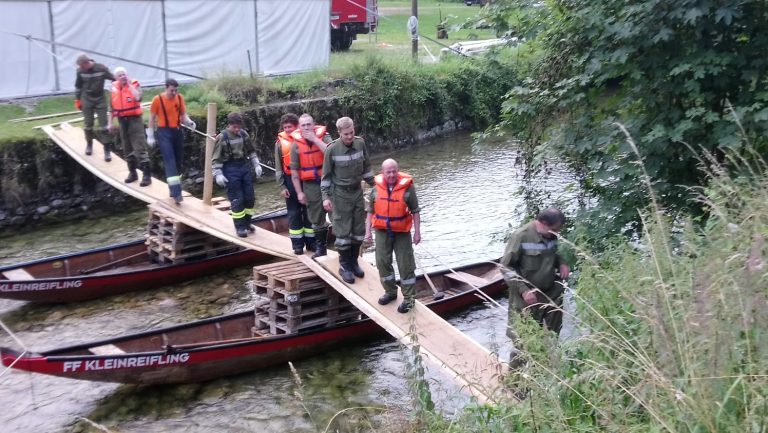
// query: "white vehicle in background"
[[474, 48]]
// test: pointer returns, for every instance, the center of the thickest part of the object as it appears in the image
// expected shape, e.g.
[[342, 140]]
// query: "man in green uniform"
[[89, 97], [307, 150], [393, 209], [532, 270], [345, 165]]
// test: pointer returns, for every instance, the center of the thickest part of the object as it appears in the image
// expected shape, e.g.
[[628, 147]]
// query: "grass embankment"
[[672, 329], [391, 44]]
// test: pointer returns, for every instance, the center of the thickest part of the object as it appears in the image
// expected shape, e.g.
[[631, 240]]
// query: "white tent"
[[183, 39]]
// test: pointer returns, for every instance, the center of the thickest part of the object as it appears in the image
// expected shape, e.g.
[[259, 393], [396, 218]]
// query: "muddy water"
[[470, 197]]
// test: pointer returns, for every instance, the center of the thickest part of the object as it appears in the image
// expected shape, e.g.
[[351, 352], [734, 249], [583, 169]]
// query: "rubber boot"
[[240, 227], [355, 267], [132, 176], [344, 266], [298, 246], [107, 152], [321, 245], [88, 142], [248, 225], [146, 174], [310, 242]]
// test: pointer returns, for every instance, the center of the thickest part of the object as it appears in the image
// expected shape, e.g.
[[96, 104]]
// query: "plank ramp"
[[473, 366]]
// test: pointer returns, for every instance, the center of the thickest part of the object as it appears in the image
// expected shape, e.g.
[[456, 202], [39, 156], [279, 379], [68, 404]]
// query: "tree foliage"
[[682, 76]]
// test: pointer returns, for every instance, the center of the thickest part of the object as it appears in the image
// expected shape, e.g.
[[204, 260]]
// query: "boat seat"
[[107, 349], [463, 277], [18, 274]]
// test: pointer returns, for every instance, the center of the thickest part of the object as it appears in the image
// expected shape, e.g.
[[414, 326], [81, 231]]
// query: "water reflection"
[[470, 197]]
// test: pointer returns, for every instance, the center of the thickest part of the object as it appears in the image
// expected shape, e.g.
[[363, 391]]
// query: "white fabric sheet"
[[204, 38]]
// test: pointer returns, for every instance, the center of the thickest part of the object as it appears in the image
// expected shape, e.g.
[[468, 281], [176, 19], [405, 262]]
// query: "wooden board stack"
[[293, 299]]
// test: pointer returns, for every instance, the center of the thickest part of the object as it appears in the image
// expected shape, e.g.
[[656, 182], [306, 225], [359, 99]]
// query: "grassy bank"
[[672, 333]]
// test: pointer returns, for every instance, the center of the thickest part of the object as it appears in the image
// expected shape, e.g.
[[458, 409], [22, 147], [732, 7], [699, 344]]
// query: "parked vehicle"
[[228, 345], [351, 18]]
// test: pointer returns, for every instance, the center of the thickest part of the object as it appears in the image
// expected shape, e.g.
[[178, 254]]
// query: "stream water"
[[470, 198]]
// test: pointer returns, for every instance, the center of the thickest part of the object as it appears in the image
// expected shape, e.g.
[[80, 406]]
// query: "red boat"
[[228, 345], [121, 268]]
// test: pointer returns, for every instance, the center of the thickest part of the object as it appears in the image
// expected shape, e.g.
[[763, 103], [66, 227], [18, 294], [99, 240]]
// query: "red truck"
[[350, 18]]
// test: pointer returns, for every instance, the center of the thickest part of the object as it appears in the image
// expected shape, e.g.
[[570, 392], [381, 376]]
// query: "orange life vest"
[[123, 102], [390, 212], [310, 157], [285, 141]]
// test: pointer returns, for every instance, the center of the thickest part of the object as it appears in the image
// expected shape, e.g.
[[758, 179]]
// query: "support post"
[[415, 38], [208, 175]]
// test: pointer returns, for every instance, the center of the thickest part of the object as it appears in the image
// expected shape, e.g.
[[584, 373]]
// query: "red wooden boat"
[[120, 268], [226, 345]]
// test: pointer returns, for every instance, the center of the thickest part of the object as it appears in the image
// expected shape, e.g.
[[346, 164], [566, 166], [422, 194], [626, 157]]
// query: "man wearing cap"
[[89, 98], [126, 109]]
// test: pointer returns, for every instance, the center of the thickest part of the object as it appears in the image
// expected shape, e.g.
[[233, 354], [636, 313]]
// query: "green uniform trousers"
[[315, 210], [95, 107], [134, 138], [348, 216], [402, 246], [543, 311]]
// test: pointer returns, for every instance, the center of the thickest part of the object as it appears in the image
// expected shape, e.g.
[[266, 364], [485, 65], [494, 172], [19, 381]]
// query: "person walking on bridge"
[[393, 209], [89, 98], [533, 265], [299, 227], [234, 162], [345, 166], [127, 115], [307, 153], [168, 112]]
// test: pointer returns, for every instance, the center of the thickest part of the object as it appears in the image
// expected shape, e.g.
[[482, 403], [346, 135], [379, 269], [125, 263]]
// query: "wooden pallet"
[[170, 241], [292, 299]]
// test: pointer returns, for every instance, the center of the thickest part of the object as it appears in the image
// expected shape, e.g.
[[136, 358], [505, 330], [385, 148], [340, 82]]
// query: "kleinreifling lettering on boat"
[[48, 285], [126, 362]]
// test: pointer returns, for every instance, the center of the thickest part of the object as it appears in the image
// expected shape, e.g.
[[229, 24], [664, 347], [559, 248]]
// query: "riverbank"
[[394, 106]]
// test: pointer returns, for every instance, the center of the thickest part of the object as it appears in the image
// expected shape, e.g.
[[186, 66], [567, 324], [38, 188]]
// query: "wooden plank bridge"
[[473, 366]]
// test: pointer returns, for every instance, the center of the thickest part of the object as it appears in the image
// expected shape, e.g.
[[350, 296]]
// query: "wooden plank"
[[469, 363], [18, 274], [464, 277], [107, 349]]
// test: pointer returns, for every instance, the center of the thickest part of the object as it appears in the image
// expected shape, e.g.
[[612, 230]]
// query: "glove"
[[220, 179], [150, 137], [256, 166], [78, 104], [191, 124]]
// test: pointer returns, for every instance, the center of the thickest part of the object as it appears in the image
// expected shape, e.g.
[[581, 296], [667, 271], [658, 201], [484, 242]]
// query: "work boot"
[[146, 174], [405, 307], [321, 246], [107, 152], [241, 232], [354, 254], [344, 267], [298, 246], [89, 148], [248, 225], [311, 242], [386, 298], [132, 176], [178, 199]]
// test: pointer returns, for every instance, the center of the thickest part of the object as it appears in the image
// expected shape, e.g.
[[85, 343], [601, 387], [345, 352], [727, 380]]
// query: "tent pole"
[[165, 39], [256, 35], [53, 47]]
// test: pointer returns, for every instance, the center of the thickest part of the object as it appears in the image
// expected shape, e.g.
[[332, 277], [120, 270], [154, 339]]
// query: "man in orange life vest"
[[299, 227], [393, 209], [307, 152], [126, 112]]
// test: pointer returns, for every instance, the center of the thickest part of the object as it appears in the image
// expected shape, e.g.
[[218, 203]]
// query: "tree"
[[675, 73]]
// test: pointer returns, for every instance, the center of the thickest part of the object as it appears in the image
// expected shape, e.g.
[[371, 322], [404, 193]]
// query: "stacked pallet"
[[170, 241], [292, 299]]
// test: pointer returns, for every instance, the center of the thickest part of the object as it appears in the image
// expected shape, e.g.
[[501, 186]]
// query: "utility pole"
[[415, 30]]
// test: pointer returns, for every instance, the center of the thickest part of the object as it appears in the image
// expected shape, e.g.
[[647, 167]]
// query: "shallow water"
[[470, 198]]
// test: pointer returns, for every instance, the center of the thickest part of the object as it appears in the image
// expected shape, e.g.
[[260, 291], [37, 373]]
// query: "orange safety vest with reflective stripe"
[[123, 102], [285, 141], [310, 156], [390, 212]]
